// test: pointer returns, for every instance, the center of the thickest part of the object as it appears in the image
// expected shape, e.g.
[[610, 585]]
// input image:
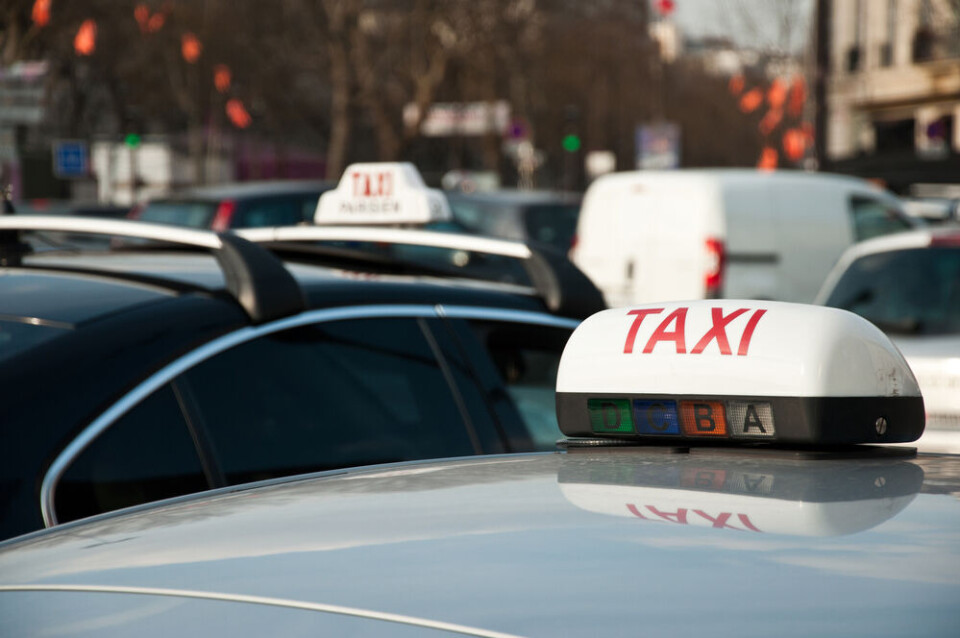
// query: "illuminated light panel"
[[656, 417], [610, 416], [750, 420], [703, 418]]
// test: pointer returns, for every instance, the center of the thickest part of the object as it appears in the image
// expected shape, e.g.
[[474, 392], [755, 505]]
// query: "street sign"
[[70, 159], [658, 146]]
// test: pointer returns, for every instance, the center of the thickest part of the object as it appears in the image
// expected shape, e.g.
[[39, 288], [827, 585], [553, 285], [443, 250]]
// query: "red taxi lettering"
[[676, 335], [718, 331], [680, 516], [636, 512], [673, 328], [632, 333], [746, 522], [372, 185], [748, 332]]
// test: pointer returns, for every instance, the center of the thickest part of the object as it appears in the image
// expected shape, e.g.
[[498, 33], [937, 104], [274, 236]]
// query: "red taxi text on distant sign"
[[372, 184], [672, 329]]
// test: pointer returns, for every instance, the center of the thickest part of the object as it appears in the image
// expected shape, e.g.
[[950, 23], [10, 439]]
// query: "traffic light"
[[571, 143]]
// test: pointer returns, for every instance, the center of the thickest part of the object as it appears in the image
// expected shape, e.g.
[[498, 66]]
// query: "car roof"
[[240, 190], [920, 238], [584, 543]]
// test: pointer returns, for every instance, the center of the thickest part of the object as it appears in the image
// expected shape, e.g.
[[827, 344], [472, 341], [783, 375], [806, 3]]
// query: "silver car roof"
[[585, 543]]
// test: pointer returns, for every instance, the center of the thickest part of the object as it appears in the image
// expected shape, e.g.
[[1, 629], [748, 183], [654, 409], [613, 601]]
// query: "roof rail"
[[562, 286], [257, 279]]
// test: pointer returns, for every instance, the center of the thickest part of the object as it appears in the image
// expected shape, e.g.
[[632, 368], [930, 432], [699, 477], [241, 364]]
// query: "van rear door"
[[752, 246], [814, 230]]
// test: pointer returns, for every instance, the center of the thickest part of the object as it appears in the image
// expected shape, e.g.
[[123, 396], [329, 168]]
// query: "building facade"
[[893, 91]]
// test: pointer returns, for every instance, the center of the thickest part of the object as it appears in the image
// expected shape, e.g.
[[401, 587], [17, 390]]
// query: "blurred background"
[[113, 102]]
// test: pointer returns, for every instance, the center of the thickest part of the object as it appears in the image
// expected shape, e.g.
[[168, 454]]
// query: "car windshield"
[[913, 291], [553, 223], [192, 214]]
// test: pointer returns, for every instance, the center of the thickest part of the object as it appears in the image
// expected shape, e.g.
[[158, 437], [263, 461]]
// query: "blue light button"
[[656, 417]]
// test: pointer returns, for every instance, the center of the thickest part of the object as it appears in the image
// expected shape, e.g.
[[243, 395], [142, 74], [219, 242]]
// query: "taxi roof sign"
[[384, 193], [736, 372]]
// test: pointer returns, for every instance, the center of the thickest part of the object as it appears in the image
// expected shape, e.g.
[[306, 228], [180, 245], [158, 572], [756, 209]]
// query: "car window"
[[332, 395], [147, 455], [308, 208], [192, 214], [553, 224], [523, 359], [273, 211], [873, 218], [913, 291]]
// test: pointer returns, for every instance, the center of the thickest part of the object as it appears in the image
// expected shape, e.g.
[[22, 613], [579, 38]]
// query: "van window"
[[873, 218], [147, 455]]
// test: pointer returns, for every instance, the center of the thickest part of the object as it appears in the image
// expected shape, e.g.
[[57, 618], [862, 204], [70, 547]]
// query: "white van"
[[693, 234]]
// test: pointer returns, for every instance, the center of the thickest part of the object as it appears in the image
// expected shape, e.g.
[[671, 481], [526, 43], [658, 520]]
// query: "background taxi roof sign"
[[736, 372], [388, 193]]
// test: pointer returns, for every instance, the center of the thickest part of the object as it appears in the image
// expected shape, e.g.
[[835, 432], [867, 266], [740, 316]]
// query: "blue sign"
[[70, 159], [656, 417]]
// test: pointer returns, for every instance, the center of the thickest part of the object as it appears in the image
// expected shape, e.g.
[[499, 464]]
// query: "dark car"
[[139, 374], [542, 216], [243, 205]]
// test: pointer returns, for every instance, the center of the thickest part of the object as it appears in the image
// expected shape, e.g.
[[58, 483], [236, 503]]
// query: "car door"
[[350, 388]]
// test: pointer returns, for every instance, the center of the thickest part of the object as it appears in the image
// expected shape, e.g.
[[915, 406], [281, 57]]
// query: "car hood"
[[580, 543]]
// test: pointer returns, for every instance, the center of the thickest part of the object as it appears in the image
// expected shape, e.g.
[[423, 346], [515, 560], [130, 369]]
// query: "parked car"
[[909, 286], [140, 374], [712, 534]]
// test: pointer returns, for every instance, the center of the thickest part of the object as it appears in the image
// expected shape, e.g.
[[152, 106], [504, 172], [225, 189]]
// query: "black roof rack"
[[255, 277], [563, 287]]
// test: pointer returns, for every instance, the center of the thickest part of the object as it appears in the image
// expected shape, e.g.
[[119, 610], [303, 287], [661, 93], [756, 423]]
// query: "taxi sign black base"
[[712, 420]]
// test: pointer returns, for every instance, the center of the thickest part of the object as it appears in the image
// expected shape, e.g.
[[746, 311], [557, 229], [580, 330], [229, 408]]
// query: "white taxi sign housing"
[[736, 370], [388, 193]]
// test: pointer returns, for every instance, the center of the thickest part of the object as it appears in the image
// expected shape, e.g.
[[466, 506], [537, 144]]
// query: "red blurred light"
[[770, 121], [768, 159], [751, 100], [238, 113], [223, 216], [798, 96], [777, 94], [85, 42], [156, 22], [142, 16], [190, 47], [794, 144], [222, 77], [736, 84], [41, 13], [713, 278]]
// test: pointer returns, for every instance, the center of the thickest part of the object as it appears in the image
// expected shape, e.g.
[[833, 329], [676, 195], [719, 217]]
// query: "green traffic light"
[[571, 143], [132, 140]]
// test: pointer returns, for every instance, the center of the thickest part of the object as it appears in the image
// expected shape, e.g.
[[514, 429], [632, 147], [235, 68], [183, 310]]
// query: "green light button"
[[610, 416]]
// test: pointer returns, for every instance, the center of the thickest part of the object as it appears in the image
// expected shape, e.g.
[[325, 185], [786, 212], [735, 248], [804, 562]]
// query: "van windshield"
[[914, 291]]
